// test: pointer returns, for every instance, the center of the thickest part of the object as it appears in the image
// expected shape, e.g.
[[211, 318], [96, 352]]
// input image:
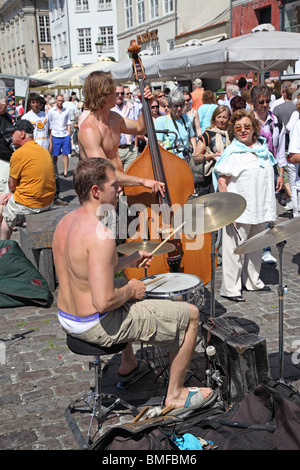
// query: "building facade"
[[25, 42], [158, 26], [248, 14], [75, 27]]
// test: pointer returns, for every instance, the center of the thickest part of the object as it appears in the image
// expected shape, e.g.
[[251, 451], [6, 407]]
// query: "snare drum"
[[176, 287]]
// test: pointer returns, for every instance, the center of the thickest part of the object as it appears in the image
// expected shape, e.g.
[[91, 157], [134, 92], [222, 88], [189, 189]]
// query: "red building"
[[246, 15]]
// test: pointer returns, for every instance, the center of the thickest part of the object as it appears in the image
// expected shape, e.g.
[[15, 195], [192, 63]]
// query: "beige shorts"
[[12, 209], [162, 323]]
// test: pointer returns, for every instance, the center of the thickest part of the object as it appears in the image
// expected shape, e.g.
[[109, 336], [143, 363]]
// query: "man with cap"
[[31, 179], [197, 94]]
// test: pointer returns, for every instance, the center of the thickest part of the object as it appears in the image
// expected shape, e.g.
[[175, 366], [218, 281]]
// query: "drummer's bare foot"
[[185, 396]]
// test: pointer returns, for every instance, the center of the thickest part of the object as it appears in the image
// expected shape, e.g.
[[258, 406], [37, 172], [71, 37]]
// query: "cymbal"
[[270, 236], [131, 247], [220, 209]]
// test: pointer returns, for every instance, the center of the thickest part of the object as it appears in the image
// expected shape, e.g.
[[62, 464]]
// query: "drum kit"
[[220, 210]]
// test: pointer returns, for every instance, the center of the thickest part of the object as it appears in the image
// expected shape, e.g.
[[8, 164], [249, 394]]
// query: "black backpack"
[[266, 419]]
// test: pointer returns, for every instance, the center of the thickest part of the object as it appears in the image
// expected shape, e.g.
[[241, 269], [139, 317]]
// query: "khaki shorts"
[[162, 323], [12, 209]]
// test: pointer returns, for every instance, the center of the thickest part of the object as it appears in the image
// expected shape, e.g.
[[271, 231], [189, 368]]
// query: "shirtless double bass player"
[[100, 131]]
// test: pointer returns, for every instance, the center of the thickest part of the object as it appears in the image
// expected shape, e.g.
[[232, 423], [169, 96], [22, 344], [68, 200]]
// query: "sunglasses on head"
[[264, 101]]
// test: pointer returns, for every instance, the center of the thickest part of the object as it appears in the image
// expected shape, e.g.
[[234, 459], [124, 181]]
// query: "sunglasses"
[[120, 93], [161, 96], [166, 106], [264, 101], [178, 105], [246, 127], [155, 106]]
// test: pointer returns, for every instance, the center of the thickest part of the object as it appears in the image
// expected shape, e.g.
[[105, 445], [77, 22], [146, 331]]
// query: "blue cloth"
[[187, 442], [205, 113], [262, 152]]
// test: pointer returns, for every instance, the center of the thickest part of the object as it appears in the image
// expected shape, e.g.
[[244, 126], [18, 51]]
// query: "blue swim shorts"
[[61, 145]]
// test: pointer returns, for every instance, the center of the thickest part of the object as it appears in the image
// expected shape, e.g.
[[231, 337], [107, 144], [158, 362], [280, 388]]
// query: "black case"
[[241, 357]]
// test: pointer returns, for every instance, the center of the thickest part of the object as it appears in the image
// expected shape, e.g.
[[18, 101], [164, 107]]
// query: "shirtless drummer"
[[85, 259]]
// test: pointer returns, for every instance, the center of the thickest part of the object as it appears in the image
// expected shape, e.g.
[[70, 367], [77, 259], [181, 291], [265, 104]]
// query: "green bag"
[[20, 282]]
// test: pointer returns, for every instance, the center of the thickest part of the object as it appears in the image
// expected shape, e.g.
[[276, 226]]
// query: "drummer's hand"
[[155, 186], [138, 289]]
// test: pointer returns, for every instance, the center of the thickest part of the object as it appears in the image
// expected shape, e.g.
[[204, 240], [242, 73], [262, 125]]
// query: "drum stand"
[[213, 274], [281, 291]]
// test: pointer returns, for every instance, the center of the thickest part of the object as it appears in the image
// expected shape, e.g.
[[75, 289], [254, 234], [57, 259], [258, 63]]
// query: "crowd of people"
[[245, 141]]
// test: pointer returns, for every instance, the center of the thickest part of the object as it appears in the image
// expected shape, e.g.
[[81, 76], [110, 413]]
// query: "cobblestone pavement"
[[40, 376]]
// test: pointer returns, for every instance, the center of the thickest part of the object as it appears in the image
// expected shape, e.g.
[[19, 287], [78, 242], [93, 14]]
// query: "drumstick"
[[140, 414], [154, 280], [162, 243]]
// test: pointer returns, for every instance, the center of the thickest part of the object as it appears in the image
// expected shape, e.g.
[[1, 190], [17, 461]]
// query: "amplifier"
[[239, 357]]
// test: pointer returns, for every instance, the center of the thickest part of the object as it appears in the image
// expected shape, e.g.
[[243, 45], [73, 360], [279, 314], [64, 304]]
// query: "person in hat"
[[31, 179], [197, 94]]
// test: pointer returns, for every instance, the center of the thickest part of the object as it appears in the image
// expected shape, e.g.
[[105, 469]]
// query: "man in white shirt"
[[294, 160], [60, 125], [39, 120], [128, 150], [72, 107]]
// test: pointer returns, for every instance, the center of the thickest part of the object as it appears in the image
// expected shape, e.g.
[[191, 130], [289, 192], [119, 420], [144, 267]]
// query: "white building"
[[25, 44], [76, 26]]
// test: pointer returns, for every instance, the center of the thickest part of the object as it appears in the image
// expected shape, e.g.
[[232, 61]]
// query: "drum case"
[[241, 357]]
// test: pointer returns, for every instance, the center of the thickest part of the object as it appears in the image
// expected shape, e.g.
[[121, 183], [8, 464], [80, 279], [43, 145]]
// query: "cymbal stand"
[[281, 291], [213, 274]]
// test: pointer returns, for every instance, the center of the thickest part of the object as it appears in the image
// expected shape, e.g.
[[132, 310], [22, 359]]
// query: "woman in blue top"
[[205, 111], [177, 122]]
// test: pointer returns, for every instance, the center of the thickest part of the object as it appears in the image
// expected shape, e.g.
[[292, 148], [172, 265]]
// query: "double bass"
[[192, 252]]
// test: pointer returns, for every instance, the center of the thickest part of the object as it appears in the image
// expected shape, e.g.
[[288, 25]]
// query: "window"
[[292, 17], [141, 11], [128, 10], [84, 40], [44, 28], [104, 5], [64, 44], [263, 15], [156, 49], [153, 9], [82, 5], [168, 6], [47, 63], [107, 38], [61, 7], [59, 46]]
